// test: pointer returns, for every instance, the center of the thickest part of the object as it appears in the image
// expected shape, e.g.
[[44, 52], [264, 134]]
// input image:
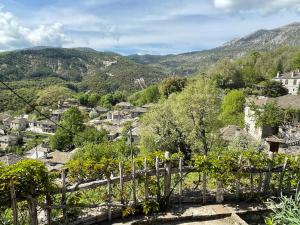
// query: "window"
[[295, 82], [286, 81]]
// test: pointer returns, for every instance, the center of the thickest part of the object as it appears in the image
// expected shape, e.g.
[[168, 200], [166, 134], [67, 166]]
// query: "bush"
[[287, 211]]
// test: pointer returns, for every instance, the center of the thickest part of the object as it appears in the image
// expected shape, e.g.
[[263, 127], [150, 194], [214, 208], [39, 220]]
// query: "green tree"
[[90, 135], [184, 122], [233, 108], [198, 113], [70, 125], [269, 114], [227, 74], [149, 95], [51, 95], [161, 130], [273, 89], [171, 85]]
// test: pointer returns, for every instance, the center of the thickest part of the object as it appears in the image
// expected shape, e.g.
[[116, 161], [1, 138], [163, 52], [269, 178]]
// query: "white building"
[[285, 102], [290, 80]]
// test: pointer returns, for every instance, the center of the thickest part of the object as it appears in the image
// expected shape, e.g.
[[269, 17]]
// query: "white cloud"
[[263, 6], [14, 35]]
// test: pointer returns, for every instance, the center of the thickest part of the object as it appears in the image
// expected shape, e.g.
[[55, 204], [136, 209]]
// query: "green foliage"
[[112, 99], [70, 125], [233, 108], [90, 135], [161, 130], [97, 160], [269, 114], [88, 99], [150, 206], [255, 67], [172, 85], [149, 95], [273, 89], [287, 211], [227, 75], [51, 95], [184, 122], [28, 89], [29, 177]]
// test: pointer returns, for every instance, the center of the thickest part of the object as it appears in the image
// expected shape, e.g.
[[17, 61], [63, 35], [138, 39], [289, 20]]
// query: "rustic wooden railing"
[[162, 172]]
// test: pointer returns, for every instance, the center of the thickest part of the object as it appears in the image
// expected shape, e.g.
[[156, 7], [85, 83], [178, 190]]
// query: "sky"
[[138, 26]]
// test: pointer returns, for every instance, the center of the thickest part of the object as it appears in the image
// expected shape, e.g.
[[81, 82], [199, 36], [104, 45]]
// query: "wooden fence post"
[[64, 197], [109, 195], [268, 175], [220, 191], [167, 176], [121, 182], [204, 186], [157, 178], [260, 183], [238, 182], [14, 203], [282, 175], [251, 180], [180, 179], [133, 183], [48, 210], [146, 180], [32, 211]]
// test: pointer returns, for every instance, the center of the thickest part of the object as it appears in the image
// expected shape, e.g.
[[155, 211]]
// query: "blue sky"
[[138, 26]]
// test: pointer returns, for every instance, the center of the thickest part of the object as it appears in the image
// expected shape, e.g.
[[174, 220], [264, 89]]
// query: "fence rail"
[[165, 187]]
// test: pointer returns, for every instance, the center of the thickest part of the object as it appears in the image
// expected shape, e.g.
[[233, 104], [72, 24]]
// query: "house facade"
[[18, 124], [290, 80], [7, 141], [285, 102]]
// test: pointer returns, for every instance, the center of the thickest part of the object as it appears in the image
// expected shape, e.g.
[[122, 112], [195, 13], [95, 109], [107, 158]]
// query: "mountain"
[[86, 68], [189, 63]]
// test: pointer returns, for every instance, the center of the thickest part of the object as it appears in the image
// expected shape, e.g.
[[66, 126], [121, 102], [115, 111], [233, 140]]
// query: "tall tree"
[[233, 108], [70, 125], [185, 122], [171, 85], [198, 108]]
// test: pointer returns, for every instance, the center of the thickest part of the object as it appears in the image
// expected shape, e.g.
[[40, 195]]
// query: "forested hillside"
[[97, 71], [193, 62]]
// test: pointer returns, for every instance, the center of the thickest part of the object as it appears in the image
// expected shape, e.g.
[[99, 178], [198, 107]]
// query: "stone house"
[[46, 126], [125, 105], [290, 80], [7, 141], [285, 102], [10, 159], [115, 115], [18, 124], [57, 114], [101, 110], [39, 152], [138, 111], [70, 102]]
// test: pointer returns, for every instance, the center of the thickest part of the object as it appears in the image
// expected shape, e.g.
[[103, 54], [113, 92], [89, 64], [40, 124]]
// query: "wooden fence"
[[167, 186]]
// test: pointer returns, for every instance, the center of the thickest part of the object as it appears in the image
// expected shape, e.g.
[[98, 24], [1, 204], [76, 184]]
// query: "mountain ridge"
[[197, 61]]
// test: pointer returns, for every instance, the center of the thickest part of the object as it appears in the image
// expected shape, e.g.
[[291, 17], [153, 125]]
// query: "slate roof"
[[285, 102], [10, 159]]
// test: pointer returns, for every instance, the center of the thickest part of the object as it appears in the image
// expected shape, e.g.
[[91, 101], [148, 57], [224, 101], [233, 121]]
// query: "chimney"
[[293, 74], [278, 74]]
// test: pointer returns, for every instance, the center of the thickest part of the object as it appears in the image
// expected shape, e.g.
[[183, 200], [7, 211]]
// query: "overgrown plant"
[[287, 211]]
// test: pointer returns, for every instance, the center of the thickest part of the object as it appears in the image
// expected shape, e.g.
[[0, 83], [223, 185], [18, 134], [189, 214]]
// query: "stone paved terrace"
[[196, 215]]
